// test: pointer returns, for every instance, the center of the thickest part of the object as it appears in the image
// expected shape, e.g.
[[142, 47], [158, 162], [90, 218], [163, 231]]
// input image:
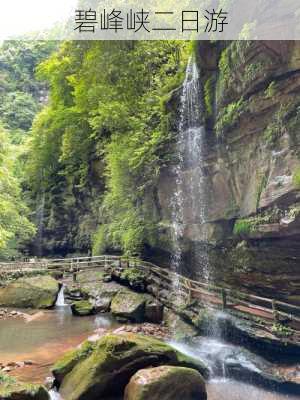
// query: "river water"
[[46, 338]]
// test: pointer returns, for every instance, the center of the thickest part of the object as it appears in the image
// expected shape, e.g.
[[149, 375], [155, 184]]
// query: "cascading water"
[[60, 302], [189, 203]]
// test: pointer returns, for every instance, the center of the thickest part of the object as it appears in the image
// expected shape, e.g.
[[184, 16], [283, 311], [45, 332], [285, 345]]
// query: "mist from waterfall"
[[189, 203]]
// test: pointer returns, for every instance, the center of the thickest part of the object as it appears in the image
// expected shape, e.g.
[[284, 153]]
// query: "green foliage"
[[245, 226], [262, 185], [252, 71], [15, 227], [100, 241], [271, 90], [296, 178], [20, 92], [209, 96], [285, 120], [242, 226], [107, 104], [281, 330], [230, 116]]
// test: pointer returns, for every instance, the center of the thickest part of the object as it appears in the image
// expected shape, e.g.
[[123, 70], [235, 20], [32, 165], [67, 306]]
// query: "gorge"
[[186, 156]]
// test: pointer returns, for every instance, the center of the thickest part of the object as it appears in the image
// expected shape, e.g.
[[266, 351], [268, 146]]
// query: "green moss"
[[271, 90], [35, 292], [281, 330], [209, 96], [11, 389], [114, 360], [261, 187], [129, 305], [296, 178], [65, 364], [134, 276], [229, 116], [82, 308], [285, 119], [224, 68], [244, 226], [252, 71], [294, 211]]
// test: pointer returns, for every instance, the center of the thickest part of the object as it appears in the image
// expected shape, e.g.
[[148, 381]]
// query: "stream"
[[43, 340]]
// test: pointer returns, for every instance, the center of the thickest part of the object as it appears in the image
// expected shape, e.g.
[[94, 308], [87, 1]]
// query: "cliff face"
[[251, 92]]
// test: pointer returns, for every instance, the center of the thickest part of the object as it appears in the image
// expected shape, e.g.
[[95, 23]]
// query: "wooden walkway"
[[266, 309]]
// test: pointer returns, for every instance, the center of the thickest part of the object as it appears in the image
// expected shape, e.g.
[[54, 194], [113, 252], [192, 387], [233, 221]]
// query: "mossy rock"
[[65, 365], [10, 389], [135, 278], [104, 370], [166, 383], [127, 305], [35, 292], [82, 308], [57, 274]]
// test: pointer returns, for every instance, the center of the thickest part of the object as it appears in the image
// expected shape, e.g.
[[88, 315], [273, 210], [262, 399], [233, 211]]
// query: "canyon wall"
[[251, 93]]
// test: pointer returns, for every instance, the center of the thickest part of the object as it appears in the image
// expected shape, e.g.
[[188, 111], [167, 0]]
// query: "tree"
[[15, 227]]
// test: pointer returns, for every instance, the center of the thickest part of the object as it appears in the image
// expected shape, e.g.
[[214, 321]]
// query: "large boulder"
[[103, 369], [82, 308], [99, 294], [154, 311], [34, 292], [10, 389], [128, 305], [166, 383]]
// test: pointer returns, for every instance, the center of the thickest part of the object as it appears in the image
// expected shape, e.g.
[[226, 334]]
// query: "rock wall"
[[251, 92]]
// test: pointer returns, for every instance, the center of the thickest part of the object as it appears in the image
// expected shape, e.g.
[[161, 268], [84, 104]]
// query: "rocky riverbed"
[[122, 311]]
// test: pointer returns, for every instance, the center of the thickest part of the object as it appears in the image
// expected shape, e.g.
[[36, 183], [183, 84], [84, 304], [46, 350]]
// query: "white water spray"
[[189, 203], [60, 302]]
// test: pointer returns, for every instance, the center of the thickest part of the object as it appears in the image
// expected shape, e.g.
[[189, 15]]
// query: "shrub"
[[296, 178], [229, 116]]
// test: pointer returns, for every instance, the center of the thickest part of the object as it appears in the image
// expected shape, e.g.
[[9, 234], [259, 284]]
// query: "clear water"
[[221, 386], [228, 389], [45, 339]]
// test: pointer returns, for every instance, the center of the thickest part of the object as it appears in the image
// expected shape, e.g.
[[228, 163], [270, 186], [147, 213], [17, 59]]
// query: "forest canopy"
[[90, 123], [96, 148]]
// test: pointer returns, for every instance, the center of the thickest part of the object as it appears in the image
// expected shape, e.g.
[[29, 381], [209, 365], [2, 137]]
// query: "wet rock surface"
[[36, 292], [82, 308], [127, 305], [166, 383], [225, 360], [103, 368], [11, 389]]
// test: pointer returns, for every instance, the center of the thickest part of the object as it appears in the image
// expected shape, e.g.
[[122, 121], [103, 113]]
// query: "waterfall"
[[60, 302], [189, 203], [54, 395]]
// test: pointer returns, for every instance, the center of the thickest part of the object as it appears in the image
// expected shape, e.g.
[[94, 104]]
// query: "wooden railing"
[[216, 296]]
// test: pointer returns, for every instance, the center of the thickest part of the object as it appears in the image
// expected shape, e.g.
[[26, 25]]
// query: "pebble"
[[12, 365], [5, 314]]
